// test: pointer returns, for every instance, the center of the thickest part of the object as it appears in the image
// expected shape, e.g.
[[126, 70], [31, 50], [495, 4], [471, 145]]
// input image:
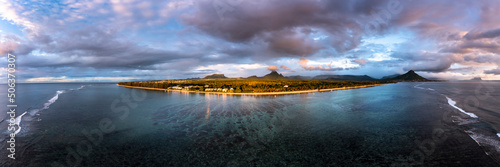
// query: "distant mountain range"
[[410, 76], [215, 76]]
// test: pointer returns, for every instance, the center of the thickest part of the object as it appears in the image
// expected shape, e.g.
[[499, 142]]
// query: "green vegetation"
[[248, 85]]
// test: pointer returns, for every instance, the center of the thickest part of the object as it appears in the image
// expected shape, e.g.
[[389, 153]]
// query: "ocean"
[[403, 124]]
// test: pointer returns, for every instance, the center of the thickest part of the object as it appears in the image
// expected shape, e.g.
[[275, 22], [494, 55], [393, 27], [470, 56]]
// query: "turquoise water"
[[397, 124]]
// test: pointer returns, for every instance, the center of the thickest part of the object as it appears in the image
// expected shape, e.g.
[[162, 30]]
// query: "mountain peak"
[[274, 75], [476, 79], [410, 76]]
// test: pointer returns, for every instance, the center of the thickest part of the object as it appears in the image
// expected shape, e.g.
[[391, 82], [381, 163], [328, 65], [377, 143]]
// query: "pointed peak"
[[410, 76], [274, 75]]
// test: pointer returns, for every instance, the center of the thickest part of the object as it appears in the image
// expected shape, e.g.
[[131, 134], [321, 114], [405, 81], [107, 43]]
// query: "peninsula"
[[270, 84]]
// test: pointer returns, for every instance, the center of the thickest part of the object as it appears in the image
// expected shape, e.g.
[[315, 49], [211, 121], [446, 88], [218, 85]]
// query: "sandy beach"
[[257, 94]]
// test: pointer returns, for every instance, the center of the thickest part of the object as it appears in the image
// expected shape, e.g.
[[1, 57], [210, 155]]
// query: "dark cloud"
[[285, 26], [424, 61], [292, 43], [439, 66], [486, 34], [482, 58], [493, 71], [180, 36]]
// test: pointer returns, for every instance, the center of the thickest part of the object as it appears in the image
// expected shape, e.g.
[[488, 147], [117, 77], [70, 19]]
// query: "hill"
[[273, 76], [390, 76], [298, 77], [410, 76], [476, 79], [215, 76]]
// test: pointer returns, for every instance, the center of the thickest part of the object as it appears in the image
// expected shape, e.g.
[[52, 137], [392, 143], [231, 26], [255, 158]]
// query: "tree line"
[[249, 86]]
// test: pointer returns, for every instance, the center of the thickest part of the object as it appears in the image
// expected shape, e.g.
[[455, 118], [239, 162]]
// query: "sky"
[[123, 40]]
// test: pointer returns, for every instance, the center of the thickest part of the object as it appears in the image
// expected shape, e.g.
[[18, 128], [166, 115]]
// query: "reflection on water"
[[374, 126], [207, 97]]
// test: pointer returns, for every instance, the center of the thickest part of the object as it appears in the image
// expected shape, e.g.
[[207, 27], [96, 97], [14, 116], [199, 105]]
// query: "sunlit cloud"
[[187, 39]]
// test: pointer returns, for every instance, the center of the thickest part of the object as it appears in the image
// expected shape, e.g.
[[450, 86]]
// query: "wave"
[[484, 140], [45, 106], [461, 121], [18, 123], [452, 103], [81, 87], [48, 103], [418, 86]]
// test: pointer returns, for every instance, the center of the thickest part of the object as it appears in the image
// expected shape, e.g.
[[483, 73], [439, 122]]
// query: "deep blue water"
[[396, 124]]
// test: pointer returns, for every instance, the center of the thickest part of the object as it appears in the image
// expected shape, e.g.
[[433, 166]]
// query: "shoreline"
[[257, 94]]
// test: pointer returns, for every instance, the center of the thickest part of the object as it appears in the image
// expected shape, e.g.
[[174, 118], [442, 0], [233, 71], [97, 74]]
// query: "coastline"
[[258, 94]]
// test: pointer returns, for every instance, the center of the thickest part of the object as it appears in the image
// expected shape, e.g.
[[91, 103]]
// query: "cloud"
[[283, 27], [486, 34], [439, 66], [272, 68], [360, 61], [80, 79], [180, 37], [7, 47], [292, 43], [303, 63], [493, 71], [284, 67]]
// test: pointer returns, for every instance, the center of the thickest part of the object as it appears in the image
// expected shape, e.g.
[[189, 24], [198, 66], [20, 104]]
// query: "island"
[[270, 84]]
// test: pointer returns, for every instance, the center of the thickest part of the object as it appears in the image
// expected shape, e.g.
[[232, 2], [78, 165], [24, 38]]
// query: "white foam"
[[48, 103], [45, 106], [498, 134], [81, 87], [53, 99], [452, 103], [461, 121], [484, 140], [18, 123], [418, 86]]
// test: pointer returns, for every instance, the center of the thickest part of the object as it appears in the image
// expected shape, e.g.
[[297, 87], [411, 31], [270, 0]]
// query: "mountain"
[[344, 77], [410, 76], [215, 76], [273, 75], [389, 76], [298, 77], [476, 79], [253, 77]]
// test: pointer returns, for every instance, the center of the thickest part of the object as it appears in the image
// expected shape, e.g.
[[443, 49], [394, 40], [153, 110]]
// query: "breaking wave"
[[452, 103], [46, 105]]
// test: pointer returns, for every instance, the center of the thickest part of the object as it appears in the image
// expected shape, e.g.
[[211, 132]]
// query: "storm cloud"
[[187, 38]]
